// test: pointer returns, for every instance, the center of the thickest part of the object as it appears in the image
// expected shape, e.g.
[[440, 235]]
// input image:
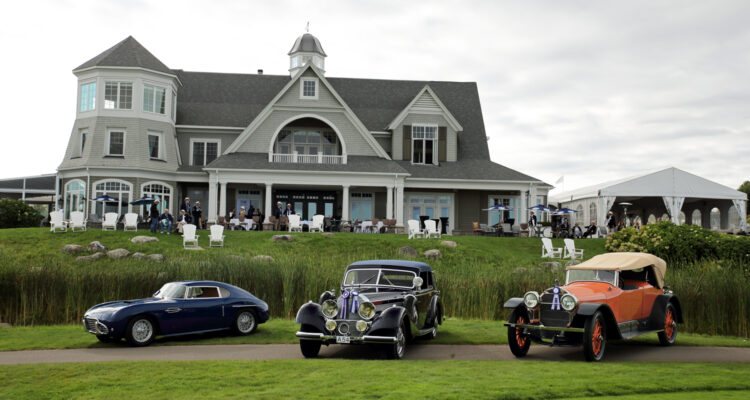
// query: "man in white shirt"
[[182, 220]]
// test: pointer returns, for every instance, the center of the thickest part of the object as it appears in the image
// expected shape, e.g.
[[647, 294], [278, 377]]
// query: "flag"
[[560, 180]]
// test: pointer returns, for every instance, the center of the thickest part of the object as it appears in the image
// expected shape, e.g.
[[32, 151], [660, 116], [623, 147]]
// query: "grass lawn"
[[453, 331], [311, 379]]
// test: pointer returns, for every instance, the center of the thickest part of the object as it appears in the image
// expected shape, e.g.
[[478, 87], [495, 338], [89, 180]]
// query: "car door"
[[203, 309], [424, 295]]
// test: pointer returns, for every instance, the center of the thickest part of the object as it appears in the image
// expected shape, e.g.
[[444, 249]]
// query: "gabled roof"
[[127, 53], [413, 107]]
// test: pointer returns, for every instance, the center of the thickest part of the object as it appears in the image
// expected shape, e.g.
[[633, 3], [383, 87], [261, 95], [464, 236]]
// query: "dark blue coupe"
[[178, 308]]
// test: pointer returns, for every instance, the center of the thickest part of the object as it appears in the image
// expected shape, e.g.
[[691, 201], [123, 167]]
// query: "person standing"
[[197, 215], [277, 215], [611, 222], [185, 206], [153, 214], [532, 222]]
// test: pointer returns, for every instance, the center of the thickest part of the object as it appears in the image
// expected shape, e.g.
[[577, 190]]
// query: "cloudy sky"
[[592, 90]]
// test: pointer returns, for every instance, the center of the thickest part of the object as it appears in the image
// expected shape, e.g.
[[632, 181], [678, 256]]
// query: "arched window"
[[120, 190], [579, 215], [75, 194], [592, 212], [308, 140], [715, 218], [697, 217], [665, 217], [157, 190], [651, 219], [733, 218], [681, 218]]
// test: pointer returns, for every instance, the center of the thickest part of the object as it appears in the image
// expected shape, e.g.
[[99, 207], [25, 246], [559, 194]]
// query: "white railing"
[[296, 158]]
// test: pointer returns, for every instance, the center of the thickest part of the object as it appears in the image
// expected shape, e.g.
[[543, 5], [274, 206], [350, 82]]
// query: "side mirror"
[[418, 282]]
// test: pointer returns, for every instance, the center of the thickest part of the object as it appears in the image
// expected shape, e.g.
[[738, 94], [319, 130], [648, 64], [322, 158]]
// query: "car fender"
[[656, 319], [433, 311], [513, 302], [311, 314], [587, 310], [389, 320], [327, 295]]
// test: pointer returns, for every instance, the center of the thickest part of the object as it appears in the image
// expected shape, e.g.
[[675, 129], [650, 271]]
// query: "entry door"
[[245, 198]]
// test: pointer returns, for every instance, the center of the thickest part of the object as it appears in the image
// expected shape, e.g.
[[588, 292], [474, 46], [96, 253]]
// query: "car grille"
[[550, 317], [90, 324]]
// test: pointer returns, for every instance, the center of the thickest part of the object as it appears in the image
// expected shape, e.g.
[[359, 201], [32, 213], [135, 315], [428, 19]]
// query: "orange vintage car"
[[611, 296]]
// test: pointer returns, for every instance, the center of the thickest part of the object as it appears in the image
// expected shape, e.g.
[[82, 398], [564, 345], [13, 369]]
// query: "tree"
[[745, 187], [16, 214]]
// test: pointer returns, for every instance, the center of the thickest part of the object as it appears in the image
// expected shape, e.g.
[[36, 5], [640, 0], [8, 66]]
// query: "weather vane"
[[307, 28]]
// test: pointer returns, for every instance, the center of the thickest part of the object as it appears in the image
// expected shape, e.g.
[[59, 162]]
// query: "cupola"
[[306, 50]]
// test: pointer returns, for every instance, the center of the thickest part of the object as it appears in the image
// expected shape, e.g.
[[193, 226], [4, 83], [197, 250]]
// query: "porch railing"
[[296, 158]]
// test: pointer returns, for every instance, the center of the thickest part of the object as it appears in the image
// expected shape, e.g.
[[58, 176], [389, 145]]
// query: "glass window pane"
[[444, 212], [313, 137], [198, 153], [312, 209], [418, 152], [329, 209], [126, 95], [312, 150], [116, 143], [160, 100], [355, 211], [148, 98], [428, 151], [110, 95], [212, 150], [153, 146], [300, 137], [430, 212], [416, 212]]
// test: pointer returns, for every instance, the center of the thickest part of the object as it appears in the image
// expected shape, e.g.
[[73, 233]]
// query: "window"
[[309, 88], [155, 146], [115, 143], [204, 151], [157, 191], [174, 106], [307, 142], [295, 62], [119, 190], [153, 99], [361, 206], [424, 144], [88, 96], [592, 213], [118, 95], [83, 140], [75, 193]]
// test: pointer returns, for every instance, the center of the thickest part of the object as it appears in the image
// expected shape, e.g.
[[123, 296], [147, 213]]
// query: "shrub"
[[17, 214]]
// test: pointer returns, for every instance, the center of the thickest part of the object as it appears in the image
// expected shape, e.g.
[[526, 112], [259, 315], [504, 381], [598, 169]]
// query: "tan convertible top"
[[625, 262]]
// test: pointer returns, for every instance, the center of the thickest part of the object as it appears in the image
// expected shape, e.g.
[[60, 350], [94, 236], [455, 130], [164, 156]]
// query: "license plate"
[[343, 339]]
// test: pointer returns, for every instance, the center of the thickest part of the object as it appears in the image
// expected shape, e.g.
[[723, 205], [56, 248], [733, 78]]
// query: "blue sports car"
[[178, 308]]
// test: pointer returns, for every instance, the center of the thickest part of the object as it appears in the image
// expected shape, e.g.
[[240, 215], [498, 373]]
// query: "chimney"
[[260, 72]]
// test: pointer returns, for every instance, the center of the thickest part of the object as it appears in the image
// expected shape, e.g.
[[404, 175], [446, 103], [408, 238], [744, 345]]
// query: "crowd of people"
[[165, 222]]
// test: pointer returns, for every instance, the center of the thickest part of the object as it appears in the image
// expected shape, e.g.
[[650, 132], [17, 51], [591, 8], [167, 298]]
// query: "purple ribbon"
[[556, 298], [345, 298], [355, 302]]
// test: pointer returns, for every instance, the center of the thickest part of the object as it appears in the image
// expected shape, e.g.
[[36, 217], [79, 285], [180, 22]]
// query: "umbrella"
[[106, 199], [564, 211], [540, 207], [143, 200], [498, 207]]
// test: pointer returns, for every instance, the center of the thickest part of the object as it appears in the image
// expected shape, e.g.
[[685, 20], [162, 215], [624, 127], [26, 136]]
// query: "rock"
[[551, 265], [283, 238], [328, 234], [72, 248], [536, 270], [448, 243], [157, 258], [138, 255], [520, 270], [572, 262], [144, 239], [92, 257], [407, 251], [262, 258], [96, 246], [433, 254], [118, 254], [4, 325]]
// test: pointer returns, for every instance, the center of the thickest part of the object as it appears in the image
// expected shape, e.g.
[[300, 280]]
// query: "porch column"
[[389, 202], [400, 204], [212, 200], [532, 203], [522, 208], [223, 200], [345, 203], [267, 203]]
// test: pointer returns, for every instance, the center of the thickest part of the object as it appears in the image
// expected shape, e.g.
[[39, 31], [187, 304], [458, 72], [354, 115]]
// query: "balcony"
[[295, 158]]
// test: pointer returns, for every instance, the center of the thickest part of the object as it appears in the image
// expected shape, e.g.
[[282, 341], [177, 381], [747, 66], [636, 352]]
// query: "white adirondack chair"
[[570, 250], [131, 222], [431, 228], [294, 223], [317, 223], [548, 251], [189, 236], [216, 239], [77, 223], [379, 227], [110, 222], [413, 229], [365, 227], [56, 222]]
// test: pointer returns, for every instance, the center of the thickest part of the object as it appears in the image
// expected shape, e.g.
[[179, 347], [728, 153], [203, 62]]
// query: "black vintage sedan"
[[386, 302], [178, 308]]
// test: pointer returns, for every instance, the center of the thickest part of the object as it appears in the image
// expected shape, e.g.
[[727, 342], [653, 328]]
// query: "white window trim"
[[451, 217], [143, 96], [206, 140], [435, 143], [124, 141], [80, 95], [171, 191], [302, 88], [174, 106], [83, 200], [371, 199], [94, 192], [160, 135], [117, 102]]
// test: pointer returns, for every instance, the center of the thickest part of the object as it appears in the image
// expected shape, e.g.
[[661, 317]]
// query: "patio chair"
[[317, 223], [431, 228], [222, 221], [56, 222], [379, 227], [516, 230], [477, 229], [77, 223], [131, 222], [601, 231], [283, 222], [216, 239], [294, 223], [547, 232], [365, 227], [256, 223], [110, 222], [570, 250], [413, 229], [189, 236], [507, 229], [548, 251]]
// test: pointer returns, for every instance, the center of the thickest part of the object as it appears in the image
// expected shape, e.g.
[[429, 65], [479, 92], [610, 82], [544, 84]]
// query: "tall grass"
[[41, 285]]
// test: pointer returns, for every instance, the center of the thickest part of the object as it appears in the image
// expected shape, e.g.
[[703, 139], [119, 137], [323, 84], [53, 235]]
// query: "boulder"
[[572, 262], [551, 265], [138, 255], [144, 239], [536, 270], [328, 234], [262, 258], [283, 238], [96, 246], [520, 270], [157, 258], [118, 254], [448, 243], [92, 257], [407, 251], [72, 248], [433, 254]]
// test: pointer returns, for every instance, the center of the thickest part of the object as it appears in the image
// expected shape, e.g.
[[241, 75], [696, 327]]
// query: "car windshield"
[[171, 291], [379, 278], [591, 275]]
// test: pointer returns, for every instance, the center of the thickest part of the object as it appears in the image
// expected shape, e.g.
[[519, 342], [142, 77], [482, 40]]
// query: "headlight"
[[367, 310], [331, 325], [330, 309], [568, 302], [361, 326], [531, 299]]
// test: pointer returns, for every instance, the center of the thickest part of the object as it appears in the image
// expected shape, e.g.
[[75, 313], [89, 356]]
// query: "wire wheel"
[[245, 322], [140, 331]]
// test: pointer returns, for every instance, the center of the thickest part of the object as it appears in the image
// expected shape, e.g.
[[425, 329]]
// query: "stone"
[[144, 239], [448, 243], [72, 248], [433, 254], [157, 258], [328, 234], [4, 325], [407, 251], [138, 255], [96, 246], [262, 258], [551, 265], [536, 270], [92, 257], [520, 270], [118, 254], [572, 262], [283, 238]]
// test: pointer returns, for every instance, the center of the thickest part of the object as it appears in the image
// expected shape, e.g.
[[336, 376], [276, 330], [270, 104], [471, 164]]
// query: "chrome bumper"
[[352, 339], [544, 328], [92, 325]]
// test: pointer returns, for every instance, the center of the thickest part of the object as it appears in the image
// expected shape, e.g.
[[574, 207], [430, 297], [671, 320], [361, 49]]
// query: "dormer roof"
[[127, 53], [307, 43]]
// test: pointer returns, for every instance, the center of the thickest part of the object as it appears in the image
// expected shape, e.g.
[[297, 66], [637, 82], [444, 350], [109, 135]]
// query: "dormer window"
[[424, 144], [118, 95], [154, 99], [309, 88]]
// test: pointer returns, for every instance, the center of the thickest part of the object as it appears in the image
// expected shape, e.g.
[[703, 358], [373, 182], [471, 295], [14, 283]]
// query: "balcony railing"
[[295, 158]]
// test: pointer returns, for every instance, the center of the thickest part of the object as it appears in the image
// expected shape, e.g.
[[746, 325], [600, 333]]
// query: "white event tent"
[[667, 191]]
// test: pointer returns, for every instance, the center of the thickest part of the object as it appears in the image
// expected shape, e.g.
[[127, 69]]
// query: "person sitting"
[[289, 210], [591, 231], [232, 214], [183, 220], [620, 226], [637, 225], [166, 220], [577, 232]]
